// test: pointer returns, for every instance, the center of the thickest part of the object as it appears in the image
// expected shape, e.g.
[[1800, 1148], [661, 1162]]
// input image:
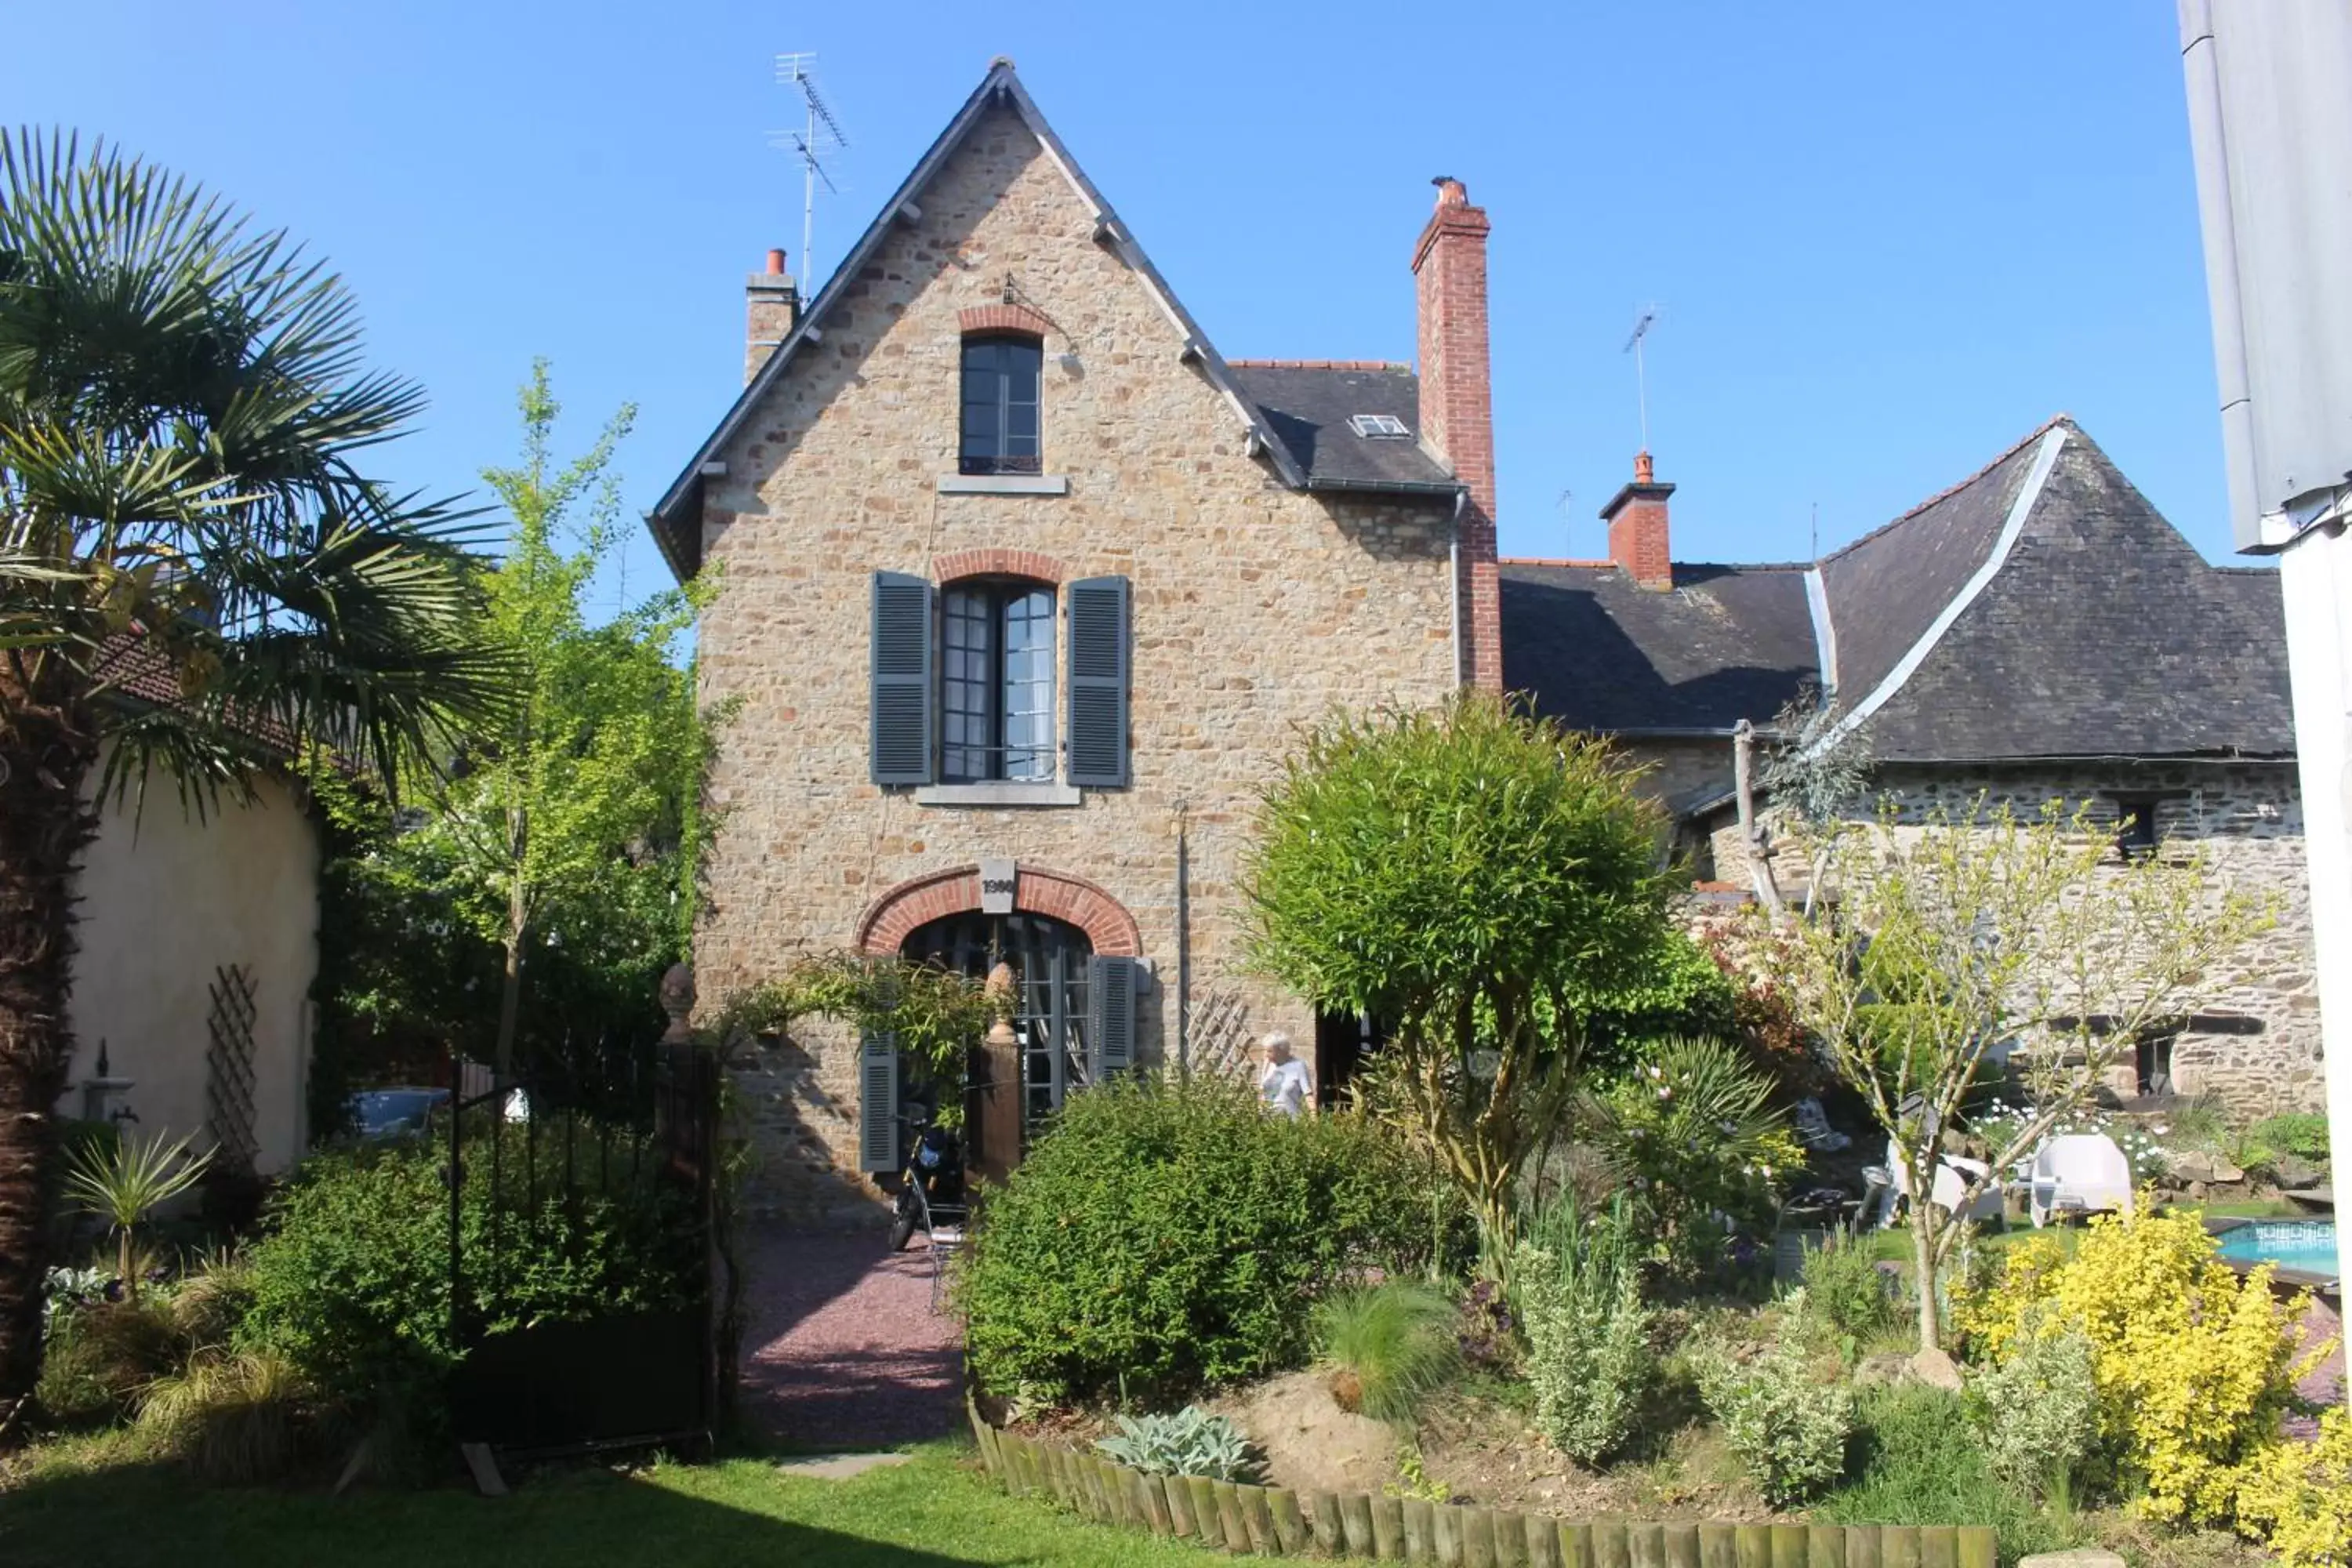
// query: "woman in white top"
[[1284, 1085]]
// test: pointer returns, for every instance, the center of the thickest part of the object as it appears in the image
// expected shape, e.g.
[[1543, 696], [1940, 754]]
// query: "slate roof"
[[2040, 608], [1308, 407], [1599, 652], [2101, 633]]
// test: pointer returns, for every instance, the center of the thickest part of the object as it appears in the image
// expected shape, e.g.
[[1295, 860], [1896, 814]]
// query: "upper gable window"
[[999, 405]]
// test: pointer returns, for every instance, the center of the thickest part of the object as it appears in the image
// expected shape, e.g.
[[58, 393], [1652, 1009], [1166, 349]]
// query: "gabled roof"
[[2039, 609], [675, 518], [2088, 627], [1310, 406], [1598, 651]]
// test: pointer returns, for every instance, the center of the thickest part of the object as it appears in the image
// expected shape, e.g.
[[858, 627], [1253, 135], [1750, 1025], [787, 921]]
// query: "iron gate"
[[591, 1135]]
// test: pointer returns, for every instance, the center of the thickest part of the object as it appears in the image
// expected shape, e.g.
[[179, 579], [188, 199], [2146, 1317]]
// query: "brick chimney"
[[770, 305], [1636, 517], [1457, 414]]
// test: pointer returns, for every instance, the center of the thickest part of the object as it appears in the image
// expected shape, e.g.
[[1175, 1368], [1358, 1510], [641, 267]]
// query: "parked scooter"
[[934, 1179]]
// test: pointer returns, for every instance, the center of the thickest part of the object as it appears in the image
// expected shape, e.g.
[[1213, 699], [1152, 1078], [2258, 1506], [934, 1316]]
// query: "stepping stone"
[[838, 1466]]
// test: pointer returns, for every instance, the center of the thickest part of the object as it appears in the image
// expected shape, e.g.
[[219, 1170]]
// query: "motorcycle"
[[933, 1180]]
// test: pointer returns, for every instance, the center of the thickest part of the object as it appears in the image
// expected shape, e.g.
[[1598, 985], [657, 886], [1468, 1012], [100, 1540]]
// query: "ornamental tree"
[[1480, 879], [1951, 944]]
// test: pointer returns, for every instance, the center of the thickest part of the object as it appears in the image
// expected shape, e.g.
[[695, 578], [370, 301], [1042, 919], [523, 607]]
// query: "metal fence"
[[595, 1149]]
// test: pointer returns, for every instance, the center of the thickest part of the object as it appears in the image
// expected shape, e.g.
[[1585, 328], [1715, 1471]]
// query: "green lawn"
[[932, 1512]]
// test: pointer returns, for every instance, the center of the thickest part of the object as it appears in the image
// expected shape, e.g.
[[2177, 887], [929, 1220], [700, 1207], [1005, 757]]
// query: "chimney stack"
[[771, 306], [1457, 417], [1636, 517]]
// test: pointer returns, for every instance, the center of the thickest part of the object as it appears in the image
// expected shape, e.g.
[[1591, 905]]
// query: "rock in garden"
[[2294, 1173], [2080, 1557], [1933, 1368], [2199, 1167]]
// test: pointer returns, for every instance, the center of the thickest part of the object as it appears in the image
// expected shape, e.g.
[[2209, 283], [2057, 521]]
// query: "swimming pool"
[[2305, 1245]]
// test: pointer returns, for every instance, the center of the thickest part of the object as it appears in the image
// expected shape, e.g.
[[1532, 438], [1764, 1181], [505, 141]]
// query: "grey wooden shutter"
[[1099, 660], [903, 720], [877, 1103], [1111, 985]]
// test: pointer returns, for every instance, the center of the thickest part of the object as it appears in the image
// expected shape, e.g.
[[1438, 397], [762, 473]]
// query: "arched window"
[[996, 681], [1000, 403]]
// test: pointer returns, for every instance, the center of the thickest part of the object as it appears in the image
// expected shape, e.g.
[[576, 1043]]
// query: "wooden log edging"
[[1274, 1522]]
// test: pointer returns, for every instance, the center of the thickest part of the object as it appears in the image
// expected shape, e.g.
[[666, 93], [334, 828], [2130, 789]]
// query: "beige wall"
[[167, 900], [1256, 610]]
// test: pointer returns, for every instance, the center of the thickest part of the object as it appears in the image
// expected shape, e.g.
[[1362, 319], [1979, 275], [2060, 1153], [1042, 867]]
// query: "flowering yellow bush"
[[2194, 1367], [2297, 1498]]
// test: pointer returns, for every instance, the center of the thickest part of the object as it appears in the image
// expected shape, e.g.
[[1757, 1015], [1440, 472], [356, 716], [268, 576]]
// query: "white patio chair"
[[2081, 1172], [1947, 1190]]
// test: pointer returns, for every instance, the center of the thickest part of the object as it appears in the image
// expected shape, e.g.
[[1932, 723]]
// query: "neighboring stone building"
[[1025, 593], [2037, 632]]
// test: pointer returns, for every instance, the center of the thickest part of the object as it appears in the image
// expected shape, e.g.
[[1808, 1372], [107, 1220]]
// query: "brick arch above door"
[[917, 902]]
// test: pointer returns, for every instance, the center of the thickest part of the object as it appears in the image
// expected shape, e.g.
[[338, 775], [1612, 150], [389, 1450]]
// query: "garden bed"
[[1276, 1521]]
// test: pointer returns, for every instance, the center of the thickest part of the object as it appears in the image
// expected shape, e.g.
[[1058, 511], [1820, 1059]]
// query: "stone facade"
[[1256, 610], [2254, 1042]]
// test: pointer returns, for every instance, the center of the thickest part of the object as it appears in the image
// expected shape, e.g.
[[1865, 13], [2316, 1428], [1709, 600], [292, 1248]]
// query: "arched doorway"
[[1049, 965]]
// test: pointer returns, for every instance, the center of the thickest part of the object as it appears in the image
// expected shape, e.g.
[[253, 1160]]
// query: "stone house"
[[1026, 591], [2036, 632]]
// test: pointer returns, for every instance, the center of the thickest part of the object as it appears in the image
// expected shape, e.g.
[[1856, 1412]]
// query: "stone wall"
[[2263, 1054], [1256, 610]]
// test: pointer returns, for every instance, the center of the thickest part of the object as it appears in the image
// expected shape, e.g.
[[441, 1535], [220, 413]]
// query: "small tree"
[[1955, 936], [573, 820], [1478, 877]]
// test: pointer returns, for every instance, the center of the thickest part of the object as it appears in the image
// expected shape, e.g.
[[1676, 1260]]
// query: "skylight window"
[[1380, 427]]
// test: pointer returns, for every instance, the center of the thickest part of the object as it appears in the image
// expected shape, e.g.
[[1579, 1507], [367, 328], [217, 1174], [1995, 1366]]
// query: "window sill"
[[1008, 792], [1005, 484]]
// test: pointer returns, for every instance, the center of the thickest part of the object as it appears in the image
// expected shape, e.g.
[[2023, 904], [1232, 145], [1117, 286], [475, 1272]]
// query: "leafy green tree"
[[1956, 938], [1479, 878], [567, 833], [195, 572]]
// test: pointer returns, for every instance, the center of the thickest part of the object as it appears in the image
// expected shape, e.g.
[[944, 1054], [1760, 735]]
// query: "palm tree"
[[195, 575]]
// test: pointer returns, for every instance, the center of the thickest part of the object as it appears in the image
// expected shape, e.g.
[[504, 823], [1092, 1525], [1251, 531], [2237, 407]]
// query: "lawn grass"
[[94, 1506]]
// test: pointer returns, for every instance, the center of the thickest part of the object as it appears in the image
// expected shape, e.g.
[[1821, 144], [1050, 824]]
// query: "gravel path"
[[842, 1350]]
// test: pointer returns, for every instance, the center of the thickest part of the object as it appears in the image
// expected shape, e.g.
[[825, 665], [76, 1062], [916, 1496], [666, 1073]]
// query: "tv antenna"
[[820, 136], [1643, 322]]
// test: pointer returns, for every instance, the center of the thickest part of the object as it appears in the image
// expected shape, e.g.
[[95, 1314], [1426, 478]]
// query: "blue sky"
[[1887, 241]]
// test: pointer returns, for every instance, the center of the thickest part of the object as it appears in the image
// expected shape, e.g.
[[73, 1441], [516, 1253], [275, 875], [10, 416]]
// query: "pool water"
[[2306, 1244]]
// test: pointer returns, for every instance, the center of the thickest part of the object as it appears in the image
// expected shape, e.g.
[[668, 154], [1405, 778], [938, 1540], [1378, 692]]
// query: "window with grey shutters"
[[877, 1103], [1111, 988], [904, 703], [1100, 655]]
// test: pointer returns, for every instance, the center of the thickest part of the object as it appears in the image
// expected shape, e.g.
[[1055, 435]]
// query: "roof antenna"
[[1817, 531], [1566, 523], [1643, 322], [820, 135]]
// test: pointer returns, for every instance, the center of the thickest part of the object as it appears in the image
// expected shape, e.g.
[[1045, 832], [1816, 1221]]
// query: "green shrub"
[[1918, 1461], [1787, 1427], [1394, 1341], [1692, 1134], [1190, 1443], [350, 1283], [209, 1305], [2037, 1412], [233, 1420], [2301, 1133], [1162, 1238], [1845, 1287], [99, 1360], [1588, 1355]]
